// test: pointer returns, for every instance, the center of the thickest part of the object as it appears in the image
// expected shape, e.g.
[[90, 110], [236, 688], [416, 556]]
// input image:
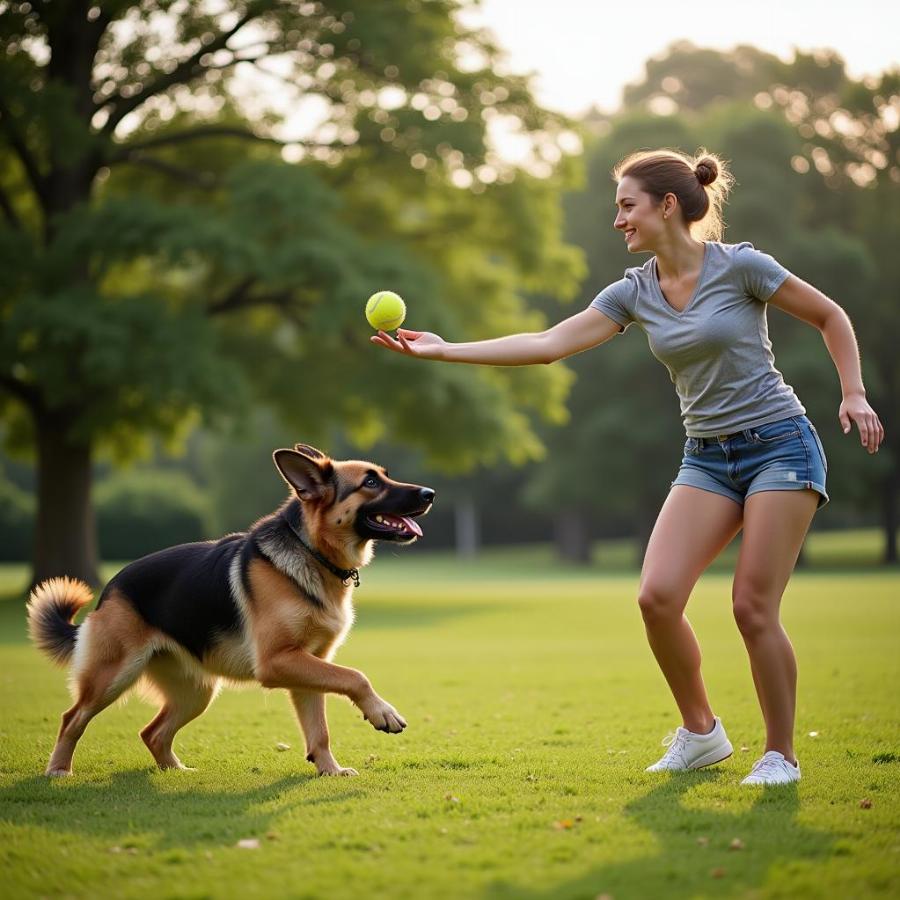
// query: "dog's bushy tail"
[[52, 606]]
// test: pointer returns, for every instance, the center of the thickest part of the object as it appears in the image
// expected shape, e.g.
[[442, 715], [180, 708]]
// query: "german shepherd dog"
[[271, 604]]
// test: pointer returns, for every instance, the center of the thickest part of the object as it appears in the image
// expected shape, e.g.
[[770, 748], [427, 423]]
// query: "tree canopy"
[[171, 252]]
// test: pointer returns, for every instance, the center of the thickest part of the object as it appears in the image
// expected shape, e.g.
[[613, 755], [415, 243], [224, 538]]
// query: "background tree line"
[[181, 287]]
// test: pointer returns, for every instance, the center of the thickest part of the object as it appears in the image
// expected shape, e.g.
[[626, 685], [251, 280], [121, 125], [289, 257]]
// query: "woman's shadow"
[[711, 849]]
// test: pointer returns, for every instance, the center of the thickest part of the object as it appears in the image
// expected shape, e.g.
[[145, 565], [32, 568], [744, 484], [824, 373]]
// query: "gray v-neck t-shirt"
[[717, 349]]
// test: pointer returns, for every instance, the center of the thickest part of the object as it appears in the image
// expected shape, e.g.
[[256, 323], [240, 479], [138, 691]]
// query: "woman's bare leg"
[[775, 525], [692, 528]]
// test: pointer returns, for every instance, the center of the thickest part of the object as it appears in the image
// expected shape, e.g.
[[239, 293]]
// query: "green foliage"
[[171, 256], [141, 310], [141, 511]]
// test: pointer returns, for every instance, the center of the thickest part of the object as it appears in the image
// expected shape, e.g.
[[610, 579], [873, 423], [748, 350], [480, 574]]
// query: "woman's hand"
[[855, 408], [423, 344]]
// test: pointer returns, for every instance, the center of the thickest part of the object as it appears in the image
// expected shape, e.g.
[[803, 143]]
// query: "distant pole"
[[468, 538]]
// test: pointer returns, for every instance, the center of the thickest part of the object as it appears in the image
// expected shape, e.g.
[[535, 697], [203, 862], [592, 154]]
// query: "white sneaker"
[[773, 768], [693, 751]]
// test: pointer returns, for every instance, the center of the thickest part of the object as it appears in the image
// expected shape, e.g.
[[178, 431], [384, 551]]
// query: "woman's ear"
[[669, 205]]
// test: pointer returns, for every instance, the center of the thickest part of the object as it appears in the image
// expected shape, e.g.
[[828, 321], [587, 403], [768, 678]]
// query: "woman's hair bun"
[[706, 170]]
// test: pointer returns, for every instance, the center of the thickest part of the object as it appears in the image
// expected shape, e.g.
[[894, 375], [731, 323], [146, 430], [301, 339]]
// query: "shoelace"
[[675, 741], [768, 765]]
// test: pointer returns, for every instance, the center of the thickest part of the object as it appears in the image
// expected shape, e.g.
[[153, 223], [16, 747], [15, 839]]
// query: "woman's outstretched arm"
[[582, 331], [810, 305]]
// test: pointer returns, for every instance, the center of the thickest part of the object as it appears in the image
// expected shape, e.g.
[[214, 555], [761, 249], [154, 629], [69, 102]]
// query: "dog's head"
[[345, 500]]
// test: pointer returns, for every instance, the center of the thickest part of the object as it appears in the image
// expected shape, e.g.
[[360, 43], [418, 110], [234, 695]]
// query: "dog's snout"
[[426, 495]]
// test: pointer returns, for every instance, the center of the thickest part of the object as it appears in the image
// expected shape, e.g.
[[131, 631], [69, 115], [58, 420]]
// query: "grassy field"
[[534, 705]]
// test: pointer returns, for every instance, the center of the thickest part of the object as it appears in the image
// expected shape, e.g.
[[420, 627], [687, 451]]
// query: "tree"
[[162, 262]]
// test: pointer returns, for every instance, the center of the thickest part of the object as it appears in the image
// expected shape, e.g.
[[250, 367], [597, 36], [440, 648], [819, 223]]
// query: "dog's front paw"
[[338, 771], [383, 716], [327, 765]]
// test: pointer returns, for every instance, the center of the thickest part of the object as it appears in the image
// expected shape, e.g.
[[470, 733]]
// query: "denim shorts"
[[786, 455]]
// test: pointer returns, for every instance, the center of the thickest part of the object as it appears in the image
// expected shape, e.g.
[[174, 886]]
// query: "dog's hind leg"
[[109, 657], [310, 707], [186, 695]]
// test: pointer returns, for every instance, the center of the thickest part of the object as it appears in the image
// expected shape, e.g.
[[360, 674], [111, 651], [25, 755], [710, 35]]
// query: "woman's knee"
[[755, 611], [660, 603]]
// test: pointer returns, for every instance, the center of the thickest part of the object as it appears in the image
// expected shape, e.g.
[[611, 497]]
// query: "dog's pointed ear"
[[308, 477], [310, 451]]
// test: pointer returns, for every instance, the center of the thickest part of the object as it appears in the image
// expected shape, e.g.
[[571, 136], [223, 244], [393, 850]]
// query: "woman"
[[752, 460]]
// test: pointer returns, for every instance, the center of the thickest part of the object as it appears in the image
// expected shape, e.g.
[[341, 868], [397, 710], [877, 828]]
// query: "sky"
[[585, 51]]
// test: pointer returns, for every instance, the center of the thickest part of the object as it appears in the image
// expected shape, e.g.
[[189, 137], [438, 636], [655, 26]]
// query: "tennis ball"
[[385, 310]]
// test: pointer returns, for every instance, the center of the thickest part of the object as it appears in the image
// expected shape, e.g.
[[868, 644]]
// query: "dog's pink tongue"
[[411, 524]]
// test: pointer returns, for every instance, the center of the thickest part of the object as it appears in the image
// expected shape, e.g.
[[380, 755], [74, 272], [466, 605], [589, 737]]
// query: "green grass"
[[534, 705]]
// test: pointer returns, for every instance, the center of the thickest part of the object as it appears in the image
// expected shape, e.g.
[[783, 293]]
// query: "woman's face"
[[639, 216]]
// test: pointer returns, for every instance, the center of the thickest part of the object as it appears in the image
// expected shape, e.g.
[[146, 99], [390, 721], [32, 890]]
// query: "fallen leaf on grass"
[[281, 746], [248, 843], [451, 798], [563, 824], [814, 734], [745, 749], [703, 841], [736, 844], [866, 803], [717, 873]]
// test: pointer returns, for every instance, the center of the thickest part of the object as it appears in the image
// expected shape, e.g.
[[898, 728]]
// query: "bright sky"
[[585, 51]]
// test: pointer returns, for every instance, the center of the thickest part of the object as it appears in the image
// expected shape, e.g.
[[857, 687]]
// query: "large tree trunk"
[[65, 532]]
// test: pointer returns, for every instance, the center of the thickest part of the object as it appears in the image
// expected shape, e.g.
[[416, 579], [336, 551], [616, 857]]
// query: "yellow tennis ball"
[[385, 310]]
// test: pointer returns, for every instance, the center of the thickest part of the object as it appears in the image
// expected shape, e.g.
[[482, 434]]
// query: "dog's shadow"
[[706, 850], [143, 809]]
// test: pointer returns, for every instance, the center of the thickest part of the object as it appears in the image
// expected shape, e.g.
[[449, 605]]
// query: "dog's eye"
[[371, 482]]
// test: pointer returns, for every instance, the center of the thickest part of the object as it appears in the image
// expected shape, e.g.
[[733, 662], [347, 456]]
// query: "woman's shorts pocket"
[[775, 431]]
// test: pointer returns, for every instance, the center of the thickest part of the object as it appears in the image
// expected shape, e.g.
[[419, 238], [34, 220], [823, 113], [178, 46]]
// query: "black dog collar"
[[346, 575]]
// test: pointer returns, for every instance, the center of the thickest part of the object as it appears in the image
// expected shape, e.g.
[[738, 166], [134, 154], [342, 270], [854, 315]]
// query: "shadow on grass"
[[133, 810], [696, 856]]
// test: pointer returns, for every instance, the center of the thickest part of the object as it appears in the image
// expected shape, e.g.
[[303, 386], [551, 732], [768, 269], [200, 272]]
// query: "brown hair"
[[700, 183]]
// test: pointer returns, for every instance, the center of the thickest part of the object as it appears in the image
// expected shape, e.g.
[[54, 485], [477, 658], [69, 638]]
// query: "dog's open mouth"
[[392, 524]]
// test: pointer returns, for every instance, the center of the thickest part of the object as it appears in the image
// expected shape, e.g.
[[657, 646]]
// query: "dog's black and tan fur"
[[272, 604]]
